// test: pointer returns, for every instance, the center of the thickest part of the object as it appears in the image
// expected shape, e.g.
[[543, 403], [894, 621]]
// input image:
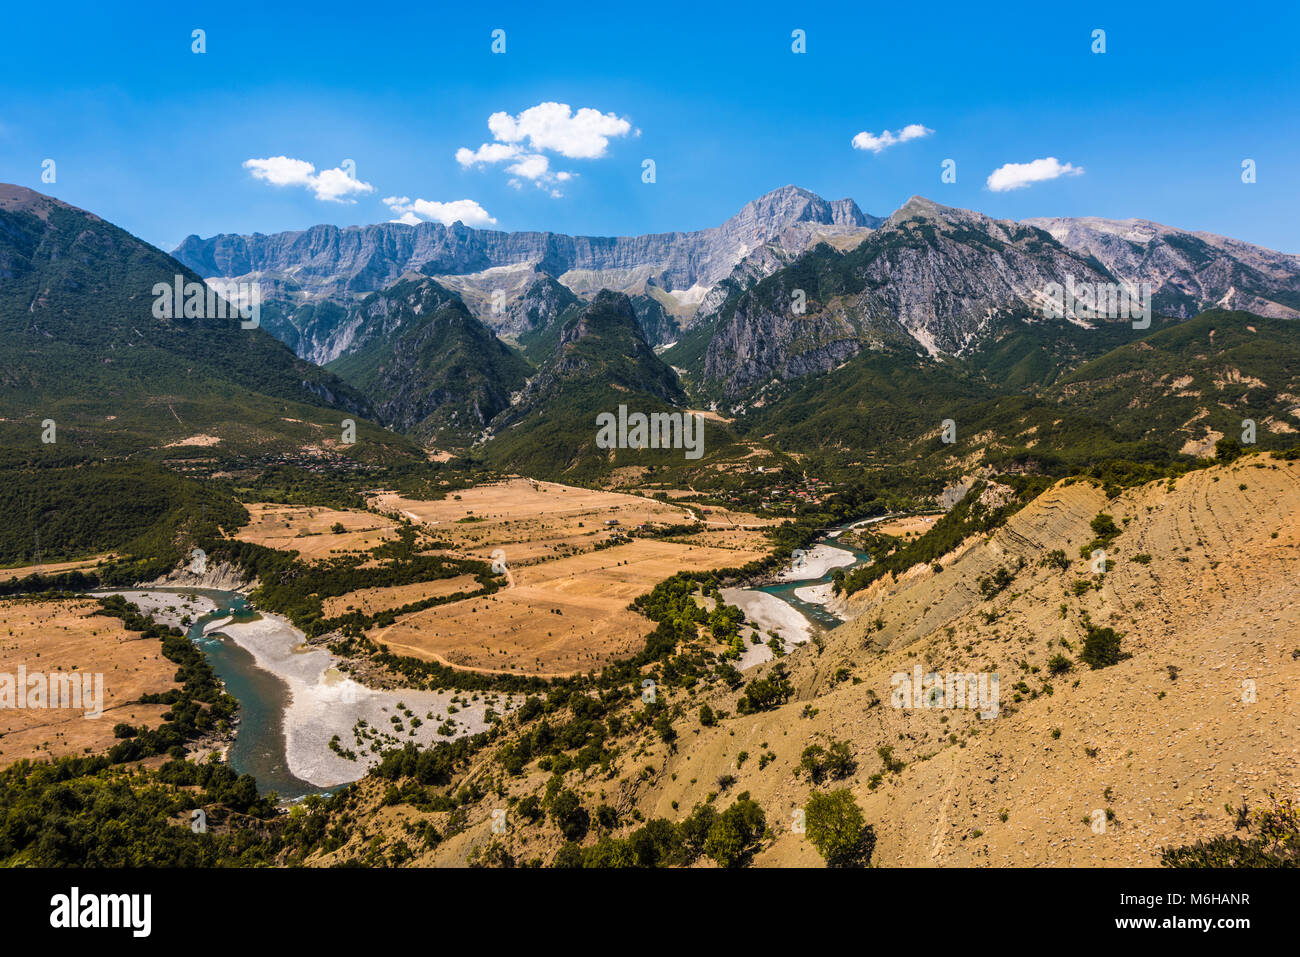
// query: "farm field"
[[371, 600], [566, 608], [65, 636], [54, 568], [307, 529], [530, 521], [909, 526]]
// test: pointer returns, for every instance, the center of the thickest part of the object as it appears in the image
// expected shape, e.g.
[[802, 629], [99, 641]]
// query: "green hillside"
[[435, 372], [80, 344], [601, 361]]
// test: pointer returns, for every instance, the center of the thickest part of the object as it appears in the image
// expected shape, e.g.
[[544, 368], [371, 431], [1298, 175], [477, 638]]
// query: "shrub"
[[1101, 648], [1058, 664]]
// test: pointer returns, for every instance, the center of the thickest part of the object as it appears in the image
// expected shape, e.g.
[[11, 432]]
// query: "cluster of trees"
[[731, 838], [78, 506], [967, 517], [85, 812], [432, 766], [763, 694], [592, 721], [835, 761], [199, 706], [297, 589]]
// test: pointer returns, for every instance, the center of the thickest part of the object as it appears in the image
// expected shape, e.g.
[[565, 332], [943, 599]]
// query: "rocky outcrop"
[[1188, 272], [430, 368], [542, 303], [932, 274]]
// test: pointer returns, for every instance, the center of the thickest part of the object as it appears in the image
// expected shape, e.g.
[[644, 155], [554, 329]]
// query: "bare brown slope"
[[1218, 601]]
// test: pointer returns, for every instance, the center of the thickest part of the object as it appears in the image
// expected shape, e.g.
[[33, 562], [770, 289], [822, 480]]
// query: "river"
[[294, 701], [795, 607]]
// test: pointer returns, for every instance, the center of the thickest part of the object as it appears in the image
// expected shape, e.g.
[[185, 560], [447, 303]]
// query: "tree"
[[569, 815], [570, 855], [834, 826], [609, 852], [734, 837]]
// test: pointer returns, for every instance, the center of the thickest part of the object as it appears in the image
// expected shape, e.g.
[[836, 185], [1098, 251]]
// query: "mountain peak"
[[918, 207], [20, 199], [792, 204]]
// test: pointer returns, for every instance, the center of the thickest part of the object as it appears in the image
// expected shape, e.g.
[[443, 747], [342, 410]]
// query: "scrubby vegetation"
[[1270, 838]]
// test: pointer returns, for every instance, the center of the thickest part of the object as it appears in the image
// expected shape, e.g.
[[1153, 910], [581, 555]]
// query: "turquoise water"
[[817, 614], [258, 748]]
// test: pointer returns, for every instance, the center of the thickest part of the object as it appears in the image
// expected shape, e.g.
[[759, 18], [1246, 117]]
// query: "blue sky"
[[155, 138]]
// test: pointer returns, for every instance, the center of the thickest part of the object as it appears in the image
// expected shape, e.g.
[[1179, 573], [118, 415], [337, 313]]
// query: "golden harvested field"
[[746, 540], [370, 600], [530, 521], [306, 529], [910, 526], [64, 636], [565, 610], [52, 568]]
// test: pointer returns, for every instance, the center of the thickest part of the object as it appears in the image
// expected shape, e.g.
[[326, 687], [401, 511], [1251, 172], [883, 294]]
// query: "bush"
[[835, 762], [1055, 559], [1059, 664], [1101, 648]]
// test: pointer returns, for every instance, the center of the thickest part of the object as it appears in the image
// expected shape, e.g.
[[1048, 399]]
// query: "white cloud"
[[1020, 175], [281, 171], [487, 153], [416, 211], [332, 185], [531, 166], [555, 127], [886, 139], [524, 140]]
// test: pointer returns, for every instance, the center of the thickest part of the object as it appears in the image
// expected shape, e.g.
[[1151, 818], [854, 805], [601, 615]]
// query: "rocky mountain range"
[[326, 264], [932, 278], [431, 369], [1189, 271]]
